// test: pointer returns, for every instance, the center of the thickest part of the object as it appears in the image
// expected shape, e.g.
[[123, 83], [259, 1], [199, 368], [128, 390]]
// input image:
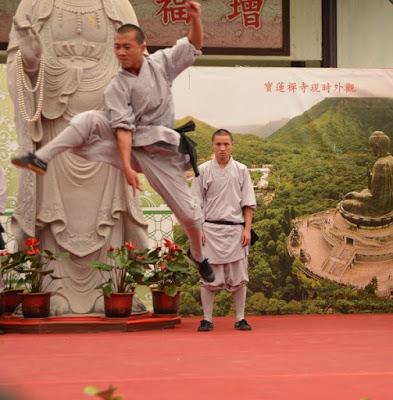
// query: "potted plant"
[[9, 279], [169, 271], [31, 265], [126, 266]]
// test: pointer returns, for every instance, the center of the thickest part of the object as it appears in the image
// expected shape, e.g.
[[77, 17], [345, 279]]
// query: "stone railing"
[[160, 225]]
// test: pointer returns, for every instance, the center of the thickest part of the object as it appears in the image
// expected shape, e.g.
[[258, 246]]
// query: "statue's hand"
[[364, 194], [350, 195], [29, 43]]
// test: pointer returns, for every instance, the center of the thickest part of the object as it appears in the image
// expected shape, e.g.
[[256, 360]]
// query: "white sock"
[[207, 298], [239, 298]]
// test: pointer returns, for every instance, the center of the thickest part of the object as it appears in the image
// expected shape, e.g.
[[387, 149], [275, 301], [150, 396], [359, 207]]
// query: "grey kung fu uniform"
[[142, 104], [222, 194]]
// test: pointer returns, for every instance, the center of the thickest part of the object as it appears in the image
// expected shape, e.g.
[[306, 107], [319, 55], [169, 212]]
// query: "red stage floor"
[[285, 357]]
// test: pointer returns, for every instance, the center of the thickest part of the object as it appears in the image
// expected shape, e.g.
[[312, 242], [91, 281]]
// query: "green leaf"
[[90, 390], [101, 266], [107, 290], [171, 290]]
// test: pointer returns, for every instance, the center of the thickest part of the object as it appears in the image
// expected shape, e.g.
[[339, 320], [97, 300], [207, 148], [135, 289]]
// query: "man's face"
[[128, 51], [222, 148]]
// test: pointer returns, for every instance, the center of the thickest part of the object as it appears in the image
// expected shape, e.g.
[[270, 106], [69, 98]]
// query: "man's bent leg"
[[165, 173]]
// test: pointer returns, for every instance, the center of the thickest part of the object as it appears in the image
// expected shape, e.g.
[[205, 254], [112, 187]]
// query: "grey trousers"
[[90, 136]]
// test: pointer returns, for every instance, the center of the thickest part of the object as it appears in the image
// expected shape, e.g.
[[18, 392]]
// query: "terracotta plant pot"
[[36, 305], [10, 300], [118, 305], [164, 304]]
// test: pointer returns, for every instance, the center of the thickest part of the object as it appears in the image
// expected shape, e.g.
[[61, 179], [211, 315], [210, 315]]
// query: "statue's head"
[[379, 143]]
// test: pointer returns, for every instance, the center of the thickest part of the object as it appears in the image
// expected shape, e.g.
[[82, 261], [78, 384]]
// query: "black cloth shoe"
[[31, 162], [205, 326], [243, 325], [204, 268]]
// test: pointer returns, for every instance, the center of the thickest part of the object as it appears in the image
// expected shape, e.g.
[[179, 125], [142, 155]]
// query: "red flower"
[[32, 241], [110, 249], [163, 266], [171, 246], [4, 253], [168, 242], [174, 248], [130, 245], [33, 251]]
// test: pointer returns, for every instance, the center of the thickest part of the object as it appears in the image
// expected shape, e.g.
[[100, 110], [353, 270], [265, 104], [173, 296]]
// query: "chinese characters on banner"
[[174, 11], [303, 87]]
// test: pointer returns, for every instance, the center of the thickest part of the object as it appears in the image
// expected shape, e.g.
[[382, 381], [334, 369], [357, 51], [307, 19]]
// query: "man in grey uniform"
[[227, 199], [135, 132]]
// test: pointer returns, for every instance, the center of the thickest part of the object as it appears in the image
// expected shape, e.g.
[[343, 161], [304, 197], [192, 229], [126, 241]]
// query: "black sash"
[[187, 145], [254, 235]]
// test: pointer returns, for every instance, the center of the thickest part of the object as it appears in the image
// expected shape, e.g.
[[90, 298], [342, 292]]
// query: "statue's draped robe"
[[378, 199], [382, 184], [80, 207]]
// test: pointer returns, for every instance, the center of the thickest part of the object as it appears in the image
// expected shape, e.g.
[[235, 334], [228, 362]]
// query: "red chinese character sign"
[[248, 10], [172, 11], [259, 27]]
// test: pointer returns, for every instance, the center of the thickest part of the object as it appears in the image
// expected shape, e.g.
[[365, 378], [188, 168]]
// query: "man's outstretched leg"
[[88, 135], [165, 173]]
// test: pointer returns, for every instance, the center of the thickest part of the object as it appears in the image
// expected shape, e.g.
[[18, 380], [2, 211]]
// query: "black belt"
[[254, 235], [220, 222], [187, 145]]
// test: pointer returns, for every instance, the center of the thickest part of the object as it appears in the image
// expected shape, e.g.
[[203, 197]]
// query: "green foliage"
[[107, 394], [9, 277], [372, 287], [223, 303], [189, 305], [127, 267], [168, 268], [27, 268]]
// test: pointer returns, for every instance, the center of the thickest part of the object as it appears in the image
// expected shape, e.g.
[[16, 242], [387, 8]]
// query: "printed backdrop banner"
[[258, 100], [308, 148], [313, 148]]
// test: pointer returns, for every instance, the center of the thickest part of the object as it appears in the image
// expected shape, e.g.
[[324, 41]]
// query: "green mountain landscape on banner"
[[342, 124], [315, 158]]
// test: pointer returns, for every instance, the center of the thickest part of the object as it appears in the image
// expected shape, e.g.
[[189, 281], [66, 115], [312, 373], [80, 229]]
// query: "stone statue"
[[377, 199], [60, 58]]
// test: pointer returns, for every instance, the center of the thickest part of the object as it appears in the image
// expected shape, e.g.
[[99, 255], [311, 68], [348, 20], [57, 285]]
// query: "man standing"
[[227, 200], [135, 132]]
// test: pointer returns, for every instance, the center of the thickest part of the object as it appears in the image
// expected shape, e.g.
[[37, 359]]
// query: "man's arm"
[[246, 235], [124, 143], [195, 36]]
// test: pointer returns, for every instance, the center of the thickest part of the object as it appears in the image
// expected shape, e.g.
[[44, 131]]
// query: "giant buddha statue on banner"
[[354, 245], [60, 58], [377, 199]]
